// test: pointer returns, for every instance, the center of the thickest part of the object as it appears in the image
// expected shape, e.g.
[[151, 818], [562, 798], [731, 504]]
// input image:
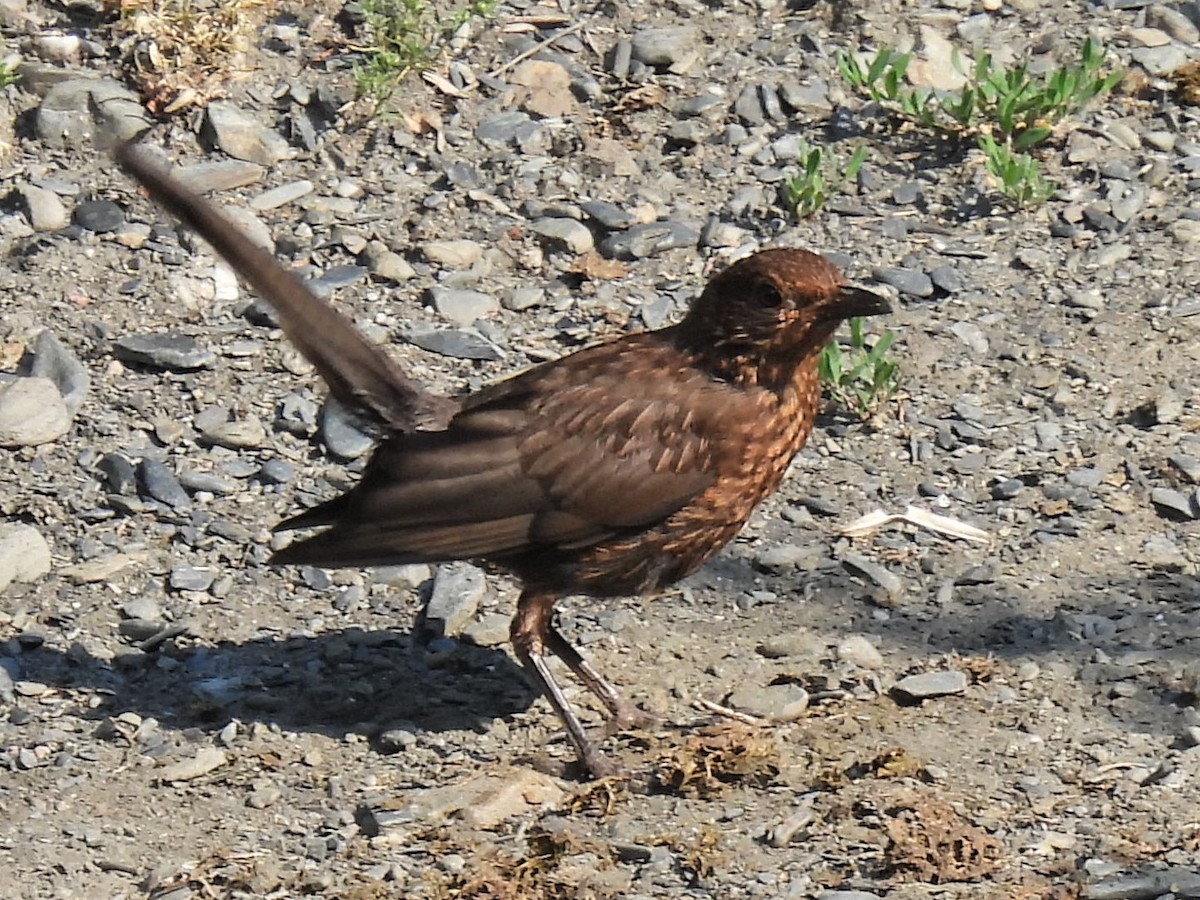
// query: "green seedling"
[[1006, 112], [806, 192], [407, 35], [860, 378]]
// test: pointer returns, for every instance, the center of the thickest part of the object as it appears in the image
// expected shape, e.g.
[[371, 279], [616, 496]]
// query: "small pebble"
[[930, 684]]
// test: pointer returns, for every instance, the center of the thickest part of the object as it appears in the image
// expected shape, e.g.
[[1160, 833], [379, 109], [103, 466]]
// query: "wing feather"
[[559, 458]]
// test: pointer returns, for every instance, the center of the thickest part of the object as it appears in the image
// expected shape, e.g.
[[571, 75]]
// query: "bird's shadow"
[[331, 683], [371, 681]]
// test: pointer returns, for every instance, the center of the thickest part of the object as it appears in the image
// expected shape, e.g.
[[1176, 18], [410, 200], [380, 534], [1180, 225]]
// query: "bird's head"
[[769, 313]]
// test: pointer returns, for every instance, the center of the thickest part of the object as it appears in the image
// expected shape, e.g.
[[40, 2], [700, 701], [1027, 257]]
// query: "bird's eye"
[[767, 295]]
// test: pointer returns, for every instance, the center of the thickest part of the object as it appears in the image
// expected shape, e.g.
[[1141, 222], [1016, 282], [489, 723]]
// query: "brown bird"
[[616, 470]]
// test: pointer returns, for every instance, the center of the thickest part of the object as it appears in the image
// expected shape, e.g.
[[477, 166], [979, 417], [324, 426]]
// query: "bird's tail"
[[359, 374]]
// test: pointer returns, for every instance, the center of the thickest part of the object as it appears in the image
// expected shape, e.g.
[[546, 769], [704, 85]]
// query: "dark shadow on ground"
[[351, 680], [1119, 639]]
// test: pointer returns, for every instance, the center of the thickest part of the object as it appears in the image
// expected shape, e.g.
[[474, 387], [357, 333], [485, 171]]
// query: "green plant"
[[407, 35], [1017, 174], [806, 192], [1005, 111], [7, 75], [860, 378]]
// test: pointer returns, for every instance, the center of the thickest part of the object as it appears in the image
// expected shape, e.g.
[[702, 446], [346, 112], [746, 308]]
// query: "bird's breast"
[[753, 451]]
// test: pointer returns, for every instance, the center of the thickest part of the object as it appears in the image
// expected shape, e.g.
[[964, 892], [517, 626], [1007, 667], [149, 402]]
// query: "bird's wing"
[[541, 462]]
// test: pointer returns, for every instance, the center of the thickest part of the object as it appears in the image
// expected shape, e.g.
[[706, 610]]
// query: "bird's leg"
[[531, 633], [624, 713]]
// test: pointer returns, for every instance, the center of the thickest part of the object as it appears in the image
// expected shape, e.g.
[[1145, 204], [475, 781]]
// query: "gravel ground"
[[898, 715]]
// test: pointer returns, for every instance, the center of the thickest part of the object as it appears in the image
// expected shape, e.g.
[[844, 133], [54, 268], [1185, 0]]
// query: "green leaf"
[[1031, 137], [857, 158], [878, 64]]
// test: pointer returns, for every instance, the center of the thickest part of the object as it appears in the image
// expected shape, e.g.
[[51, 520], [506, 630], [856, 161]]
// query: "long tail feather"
[[359, 374]]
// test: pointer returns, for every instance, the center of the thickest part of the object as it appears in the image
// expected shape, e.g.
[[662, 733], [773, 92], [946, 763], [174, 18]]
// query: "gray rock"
[[297, 415], [907, 193], [519, 298], [120, 477], [1049, 435], [457, 254], [1173, 501], [341, 434], [242, 136], [386, 264], [812, 96], [409, 576], [1168, 407], [7, 687], [220, 175], [723, 234], [24, 554], [54, 361], [502, 129], [1188, 466], [1186, 232], [217, 428], [784, 558], [971, 335], [282, 195], [770, 102], [463, 307], [1087, 299], [101, 216], [860, 565], [457, 590], [946, 278], [277, 471], [46, 211], [142, 606], [1173, 22], [160, 483], [857, 650], [209, 482], [930, 684], [264, 796], [335, 278], [607, 214], [77, 110], [1160, 61], [1007, 488], [674, 47], [1174, 882], [259, 312], [688, 132], [397, 737], [490, 630], [748, 106], [32, 412], [790, 643], [176, 352], [622, 54], [906, 281], [462, 174], [189, 578], [650, 239], [453, 342], [780, 702], [701, 105], [571, 234]]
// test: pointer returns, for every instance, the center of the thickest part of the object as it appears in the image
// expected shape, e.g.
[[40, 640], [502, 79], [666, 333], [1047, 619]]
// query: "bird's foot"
[[599, 765], [627, 717]]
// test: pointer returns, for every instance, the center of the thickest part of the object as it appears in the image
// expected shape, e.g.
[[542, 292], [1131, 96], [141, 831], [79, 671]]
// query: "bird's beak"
[[852, 301]]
